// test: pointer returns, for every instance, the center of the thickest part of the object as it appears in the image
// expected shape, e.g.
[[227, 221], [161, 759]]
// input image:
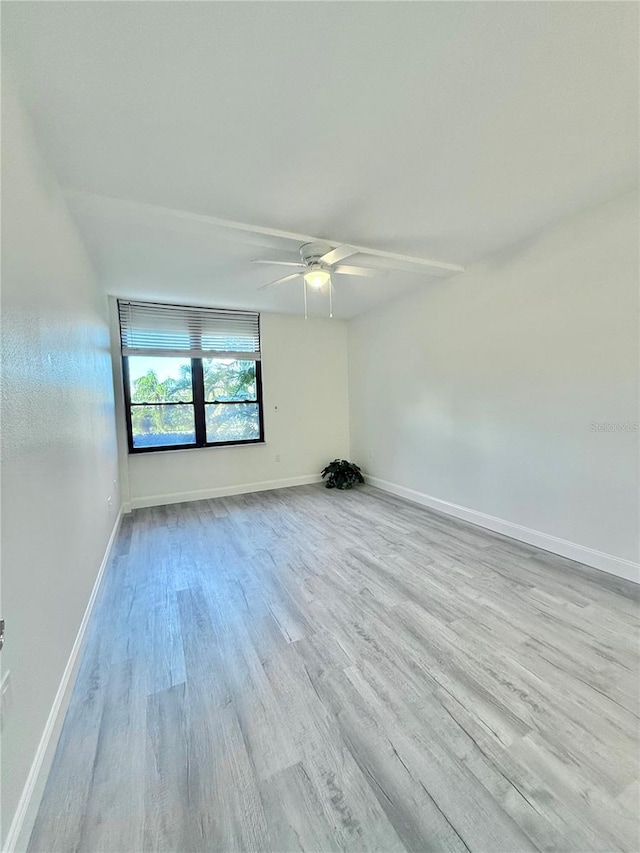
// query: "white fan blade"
[[366, 272], [281, 263], [337, 254], [280, 280]]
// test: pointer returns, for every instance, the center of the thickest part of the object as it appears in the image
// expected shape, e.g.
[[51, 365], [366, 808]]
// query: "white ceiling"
[[440, 130]]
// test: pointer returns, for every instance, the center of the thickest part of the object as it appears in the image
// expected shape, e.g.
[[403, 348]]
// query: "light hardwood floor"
[[315, 670]]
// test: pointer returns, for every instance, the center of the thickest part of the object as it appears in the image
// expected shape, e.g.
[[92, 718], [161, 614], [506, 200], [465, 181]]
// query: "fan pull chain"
[[330, 298], [304, 288]]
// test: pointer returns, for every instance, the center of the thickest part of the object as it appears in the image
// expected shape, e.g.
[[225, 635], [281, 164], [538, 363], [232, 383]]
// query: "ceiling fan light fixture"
[[317, 277]]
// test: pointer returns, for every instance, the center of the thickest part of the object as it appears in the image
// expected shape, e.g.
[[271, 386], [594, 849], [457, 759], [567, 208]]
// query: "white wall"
[[305, 413], [58, 443], [481, 391]]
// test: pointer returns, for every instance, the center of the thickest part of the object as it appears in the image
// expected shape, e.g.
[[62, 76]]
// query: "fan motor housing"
[[312, 252]]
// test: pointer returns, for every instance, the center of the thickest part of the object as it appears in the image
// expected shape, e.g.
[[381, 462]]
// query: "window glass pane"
[[227, 379], [232, 421], [160, 379], [162, 426]]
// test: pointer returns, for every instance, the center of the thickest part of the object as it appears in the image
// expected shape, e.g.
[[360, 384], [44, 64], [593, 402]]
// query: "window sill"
[[151, 450]]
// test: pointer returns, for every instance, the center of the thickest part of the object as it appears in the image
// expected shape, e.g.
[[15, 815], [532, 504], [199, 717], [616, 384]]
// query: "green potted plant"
[[341, 474]]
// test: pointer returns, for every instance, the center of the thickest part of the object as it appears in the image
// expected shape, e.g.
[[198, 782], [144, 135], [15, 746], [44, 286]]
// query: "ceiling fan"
[[318, 262]]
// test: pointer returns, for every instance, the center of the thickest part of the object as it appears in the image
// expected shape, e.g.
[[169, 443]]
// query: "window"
[[192, 376]]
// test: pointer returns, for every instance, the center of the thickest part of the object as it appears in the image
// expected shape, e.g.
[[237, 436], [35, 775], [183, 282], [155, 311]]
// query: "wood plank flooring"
[[311, 670]]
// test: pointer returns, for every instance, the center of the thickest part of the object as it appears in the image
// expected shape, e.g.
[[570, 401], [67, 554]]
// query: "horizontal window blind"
[[148, 328]]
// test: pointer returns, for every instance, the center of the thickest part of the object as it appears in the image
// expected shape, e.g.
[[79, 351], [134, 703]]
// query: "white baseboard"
[[222, 491], [22, 824], [626, 569]]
